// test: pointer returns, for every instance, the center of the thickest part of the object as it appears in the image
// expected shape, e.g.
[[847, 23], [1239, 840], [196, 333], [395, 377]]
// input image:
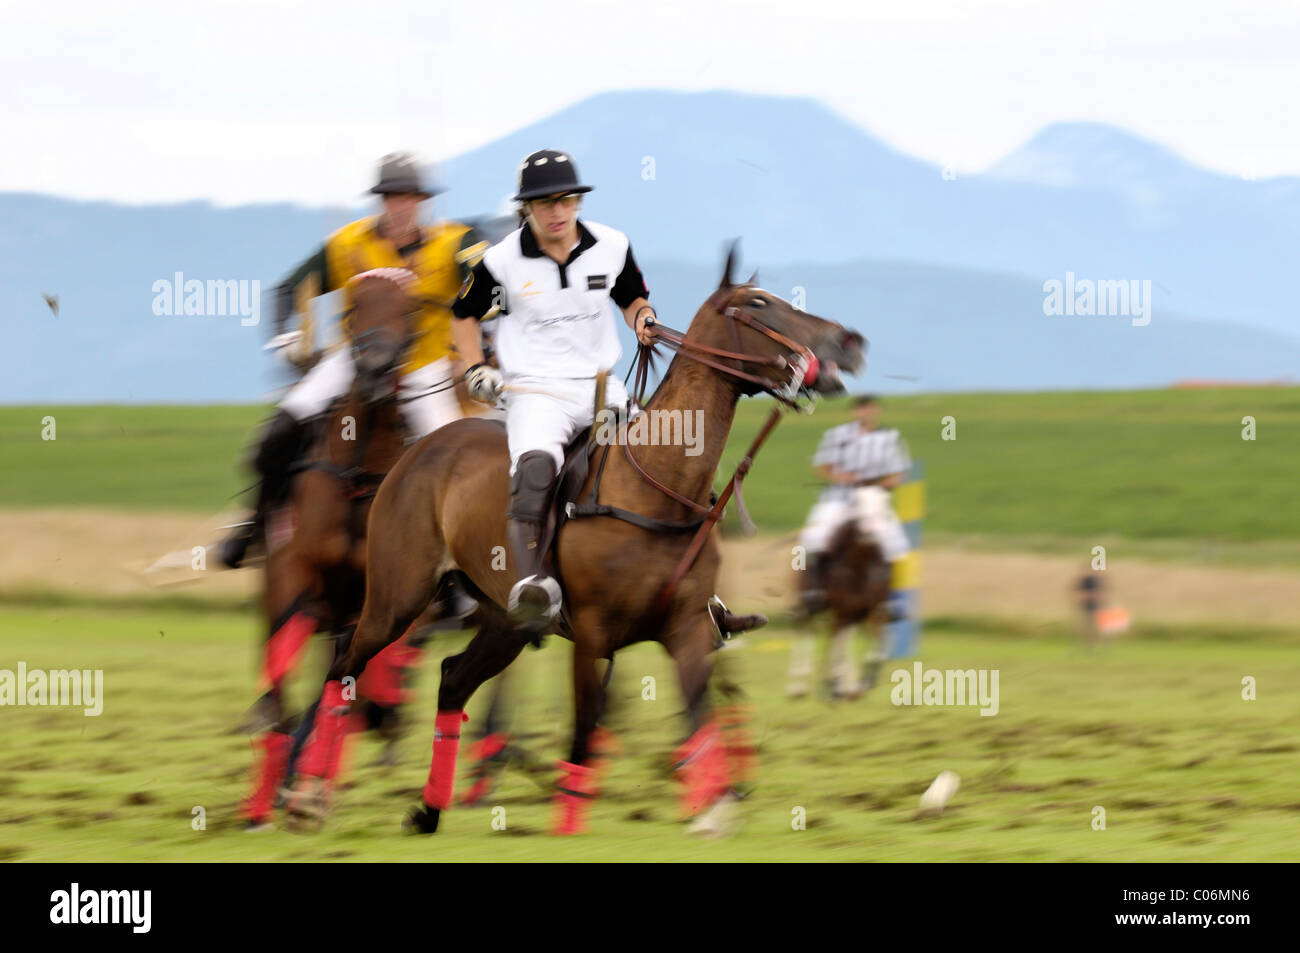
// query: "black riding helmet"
[[548, 172]]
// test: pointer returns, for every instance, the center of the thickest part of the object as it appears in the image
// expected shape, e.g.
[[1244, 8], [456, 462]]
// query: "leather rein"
[[803, 369]]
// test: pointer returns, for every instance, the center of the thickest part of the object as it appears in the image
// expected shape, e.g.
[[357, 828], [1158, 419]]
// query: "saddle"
[[565, 505], [568, 485]]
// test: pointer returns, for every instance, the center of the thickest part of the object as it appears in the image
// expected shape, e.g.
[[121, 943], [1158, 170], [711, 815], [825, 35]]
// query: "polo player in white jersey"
[[553, 280], [862, 462]]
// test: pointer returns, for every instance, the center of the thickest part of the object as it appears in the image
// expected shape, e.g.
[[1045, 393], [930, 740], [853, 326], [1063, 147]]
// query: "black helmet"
[[548, 172]]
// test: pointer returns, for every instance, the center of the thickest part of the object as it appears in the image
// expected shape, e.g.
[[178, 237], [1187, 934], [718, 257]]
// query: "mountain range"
[[944, 272]]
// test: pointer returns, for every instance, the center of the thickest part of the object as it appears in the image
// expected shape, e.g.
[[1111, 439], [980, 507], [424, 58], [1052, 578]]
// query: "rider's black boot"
[[283, 440], [535, 598]]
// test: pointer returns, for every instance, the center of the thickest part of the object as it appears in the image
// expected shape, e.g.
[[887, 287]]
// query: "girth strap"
[[590, 508]]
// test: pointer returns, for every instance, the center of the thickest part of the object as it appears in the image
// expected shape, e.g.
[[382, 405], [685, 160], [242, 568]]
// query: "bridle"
[[802, 363], [358, 483], [407, 282], [803, 367]]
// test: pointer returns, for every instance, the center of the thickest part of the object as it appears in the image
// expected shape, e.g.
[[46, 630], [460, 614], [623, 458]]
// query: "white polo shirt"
[[556, 320]]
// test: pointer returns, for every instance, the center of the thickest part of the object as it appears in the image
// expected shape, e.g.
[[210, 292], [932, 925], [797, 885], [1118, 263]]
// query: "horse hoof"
[[719, 820], [422, 820], [307, 806]]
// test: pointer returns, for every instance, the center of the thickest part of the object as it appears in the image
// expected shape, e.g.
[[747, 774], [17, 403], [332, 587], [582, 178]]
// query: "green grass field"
[[1154, 732], [1151, 728], [1166, 467]]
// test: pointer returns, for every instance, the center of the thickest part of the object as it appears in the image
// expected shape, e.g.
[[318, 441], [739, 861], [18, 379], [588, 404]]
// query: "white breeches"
[[546, 413], [875, 519], [332, 377]]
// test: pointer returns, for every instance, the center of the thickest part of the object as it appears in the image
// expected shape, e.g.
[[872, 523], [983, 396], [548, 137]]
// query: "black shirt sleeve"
[[629, 285], [479, 294], [472, 246], [286, 291]]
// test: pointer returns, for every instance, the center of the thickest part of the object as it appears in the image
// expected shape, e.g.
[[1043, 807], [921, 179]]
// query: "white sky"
[[259, 100]]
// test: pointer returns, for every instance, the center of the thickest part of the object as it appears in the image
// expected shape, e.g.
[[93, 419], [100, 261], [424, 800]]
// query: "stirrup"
[[521, 607]]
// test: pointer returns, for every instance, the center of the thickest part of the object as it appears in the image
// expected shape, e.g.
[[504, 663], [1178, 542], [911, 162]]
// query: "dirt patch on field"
[[93, 552], [959, 582]]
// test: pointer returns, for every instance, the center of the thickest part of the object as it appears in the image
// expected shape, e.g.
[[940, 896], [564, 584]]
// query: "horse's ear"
[[730, 266], [753, 279]]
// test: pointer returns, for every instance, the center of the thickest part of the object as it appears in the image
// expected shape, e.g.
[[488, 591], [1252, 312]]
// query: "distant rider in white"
[[862, 462], [553, 280]]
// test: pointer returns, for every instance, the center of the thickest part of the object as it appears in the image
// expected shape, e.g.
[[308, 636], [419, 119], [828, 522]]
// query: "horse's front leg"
[[390, 608], [496, 645], [842, 667], [701, 762], [877, 634], [287, 638], [800, 673], [579, 775]]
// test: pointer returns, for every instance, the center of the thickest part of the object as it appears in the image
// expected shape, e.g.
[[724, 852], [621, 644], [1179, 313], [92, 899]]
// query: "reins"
[[706, 516], [677, 342]]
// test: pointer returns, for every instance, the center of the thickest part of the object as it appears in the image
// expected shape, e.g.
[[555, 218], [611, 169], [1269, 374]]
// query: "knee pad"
[[530, 487]]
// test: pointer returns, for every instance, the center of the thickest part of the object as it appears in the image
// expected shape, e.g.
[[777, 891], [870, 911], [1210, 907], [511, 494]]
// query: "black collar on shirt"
[[406, 250], [529, 248]]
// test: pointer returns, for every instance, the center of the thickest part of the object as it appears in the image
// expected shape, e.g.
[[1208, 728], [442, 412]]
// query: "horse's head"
[[381, 318], [791, 350]]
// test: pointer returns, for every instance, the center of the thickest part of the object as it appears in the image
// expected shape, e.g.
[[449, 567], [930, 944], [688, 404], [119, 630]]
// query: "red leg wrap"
[[268, 769], [442, 772], [738, 743], [483, 751], [381, 681], [603, 745], [574, 794], [284, 647], [490, 746], [320, 759], [702, 764], [353, 725]]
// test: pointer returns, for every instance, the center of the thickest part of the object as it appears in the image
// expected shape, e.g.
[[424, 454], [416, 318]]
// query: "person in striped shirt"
[[853, 456]]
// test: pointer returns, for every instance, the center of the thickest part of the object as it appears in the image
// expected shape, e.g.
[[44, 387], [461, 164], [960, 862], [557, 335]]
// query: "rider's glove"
[[485, 383]]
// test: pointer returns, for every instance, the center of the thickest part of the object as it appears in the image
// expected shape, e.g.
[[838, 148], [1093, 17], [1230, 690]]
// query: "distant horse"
[[857, 593], [637, 558], [316, 557]]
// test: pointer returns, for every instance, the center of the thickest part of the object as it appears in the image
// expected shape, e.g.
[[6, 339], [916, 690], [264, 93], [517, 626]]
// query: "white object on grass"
[[940, 791]]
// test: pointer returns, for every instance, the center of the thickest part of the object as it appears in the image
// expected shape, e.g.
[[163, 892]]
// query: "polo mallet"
[[600, 404]]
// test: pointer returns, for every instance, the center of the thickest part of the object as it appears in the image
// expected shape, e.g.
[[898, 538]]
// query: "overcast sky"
[[258, 100]]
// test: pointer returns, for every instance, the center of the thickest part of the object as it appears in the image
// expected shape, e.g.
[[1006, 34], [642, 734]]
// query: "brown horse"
[[643, 568], [316, 558], [857, 580]]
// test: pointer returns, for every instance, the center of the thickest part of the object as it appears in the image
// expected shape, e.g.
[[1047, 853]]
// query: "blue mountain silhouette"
[[945, 274]]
